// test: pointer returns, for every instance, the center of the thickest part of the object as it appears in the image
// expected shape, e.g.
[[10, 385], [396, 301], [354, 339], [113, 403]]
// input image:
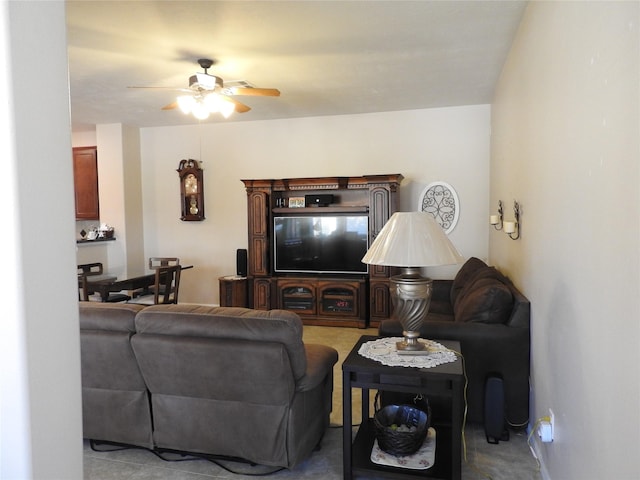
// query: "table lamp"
[[411, 240]]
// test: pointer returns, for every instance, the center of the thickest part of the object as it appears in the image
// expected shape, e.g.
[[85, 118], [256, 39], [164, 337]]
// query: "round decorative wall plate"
[[441, 200]]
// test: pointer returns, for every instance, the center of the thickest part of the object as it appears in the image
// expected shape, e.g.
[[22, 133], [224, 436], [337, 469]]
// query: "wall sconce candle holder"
[[496, 220], [510, 228], [513, 228]]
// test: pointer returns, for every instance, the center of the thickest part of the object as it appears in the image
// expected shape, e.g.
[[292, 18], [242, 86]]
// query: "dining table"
[[114, 284]]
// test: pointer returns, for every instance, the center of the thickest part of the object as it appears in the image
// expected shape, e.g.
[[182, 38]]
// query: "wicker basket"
[[398, 442]]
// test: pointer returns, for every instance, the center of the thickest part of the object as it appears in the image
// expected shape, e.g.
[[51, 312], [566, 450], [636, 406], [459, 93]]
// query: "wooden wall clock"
[[191, 191]]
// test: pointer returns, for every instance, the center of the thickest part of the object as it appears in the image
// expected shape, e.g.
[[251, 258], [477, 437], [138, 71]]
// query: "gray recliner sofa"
[[115, 400], [225, 381]]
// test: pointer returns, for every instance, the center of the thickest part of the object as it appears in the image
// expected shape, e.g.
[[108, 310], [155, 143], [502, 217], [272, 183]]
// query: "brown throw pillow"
[[488, 301], [463, 276], [486, 272]]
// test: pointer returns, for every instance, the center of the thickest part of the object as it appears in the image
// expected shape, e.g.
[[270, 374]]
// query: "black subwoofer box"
[[494, 418]]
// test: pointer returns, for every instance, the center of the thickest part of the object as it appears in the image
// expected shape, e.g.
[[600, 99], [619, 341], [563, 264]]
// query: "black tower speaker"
[[241, 262], [494, 423]]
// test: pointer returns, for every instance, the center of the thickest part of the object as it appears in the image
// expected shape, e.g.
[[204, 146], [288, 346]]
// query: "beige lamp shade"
[[412, 239]]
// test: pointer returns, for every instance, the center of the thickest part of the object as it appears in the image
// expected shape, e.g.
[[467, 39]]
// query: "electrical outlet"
[[544, 432], [545, 428], [552, 422]]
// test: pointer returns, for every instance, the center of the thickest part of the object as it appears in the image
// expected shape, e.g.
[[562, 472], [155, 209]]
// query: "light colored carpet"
[[342, 339]]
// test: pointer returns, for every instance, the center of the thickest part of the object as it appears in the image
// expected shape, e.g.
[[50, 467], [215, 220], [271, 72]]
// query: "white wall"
[[119, 187], [85, 138], [40, 409], [566, 144], [448, 144]]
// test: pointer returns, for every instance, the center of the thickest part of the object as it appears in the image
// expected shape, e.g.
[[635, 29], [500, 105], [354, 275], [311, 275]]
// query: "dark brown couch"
[[211, 380], [490, 317]]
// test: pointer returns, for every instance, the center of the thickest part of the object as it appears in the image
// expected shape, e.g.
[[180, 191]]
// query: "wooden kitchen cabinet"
[[85, 180]]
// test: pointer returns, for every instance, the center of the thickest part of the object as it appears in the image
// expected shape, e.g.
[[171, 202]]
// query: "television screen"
[[321, 244]]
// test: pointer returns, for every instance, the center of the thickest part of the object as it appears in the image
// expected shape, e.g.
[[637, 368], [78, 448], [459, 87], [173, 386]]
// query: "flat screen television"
[[321, 244]]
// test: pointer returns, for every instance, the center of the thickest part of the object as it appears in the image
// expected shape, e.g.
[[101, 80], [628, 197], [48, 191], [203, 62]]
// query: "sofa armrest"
[[320, 362], [521, 314]]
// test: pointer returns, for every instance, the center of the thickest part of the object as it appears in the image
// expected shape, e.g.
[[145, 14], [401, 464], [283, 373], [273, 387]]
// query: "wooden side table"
[[233, 291], [444, 381]]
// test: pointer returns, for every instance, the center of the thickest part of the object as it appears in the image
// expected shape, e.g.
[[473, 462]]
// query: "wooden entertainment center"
[[331, 299]]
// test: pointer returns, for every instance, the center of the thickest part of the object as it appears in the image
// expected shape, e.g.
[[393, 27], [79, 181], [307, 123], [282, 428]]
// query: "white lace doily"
[[421, 460], [384, 350]]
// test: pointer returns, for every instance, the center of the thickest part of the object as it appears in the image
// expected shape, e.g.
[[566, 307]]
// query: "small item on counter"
[[92, 234], [105, 231]]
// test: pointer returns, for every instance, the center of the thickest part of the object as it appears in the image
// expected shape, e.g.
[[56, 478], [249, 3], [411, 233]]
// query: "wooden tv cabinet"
[[324, 299]]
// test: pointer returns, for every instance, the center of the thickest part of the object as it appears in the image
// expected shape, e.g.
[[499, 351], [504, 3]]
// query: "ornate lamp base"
[[411, 296], [410, 342]]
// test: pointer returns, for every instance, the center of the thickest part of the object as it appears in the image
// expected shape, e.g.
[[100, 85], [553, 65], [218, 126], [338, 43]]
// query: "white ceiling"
[[326, 57]]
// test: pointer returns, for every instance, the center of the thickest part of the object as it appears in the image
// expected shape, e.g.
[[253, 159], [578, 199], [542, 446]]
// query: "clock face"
[[191, 184]]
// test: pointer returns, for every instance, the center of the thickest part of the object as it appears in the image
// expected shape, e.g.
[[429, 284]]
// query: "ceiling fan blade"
[[172, 89], [258, 92], [240, 107], [171, 106]]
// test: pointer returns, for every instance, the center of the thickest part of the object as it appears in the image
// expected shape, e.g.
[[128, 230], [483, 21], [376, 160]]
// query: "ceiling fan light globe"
[[212, 102], [227, 108], [200, 111], [186, 103]]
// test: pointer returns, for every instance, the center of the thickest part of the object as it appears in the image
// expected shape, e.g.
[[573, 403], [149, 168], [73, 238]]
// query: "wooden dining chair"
[[165, 287], [155, 262], [88, 272]]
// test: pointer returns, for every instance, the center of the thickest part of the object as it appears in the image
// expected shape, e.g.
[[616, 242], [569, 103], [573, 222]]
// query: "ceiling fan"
[[207, 94]]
